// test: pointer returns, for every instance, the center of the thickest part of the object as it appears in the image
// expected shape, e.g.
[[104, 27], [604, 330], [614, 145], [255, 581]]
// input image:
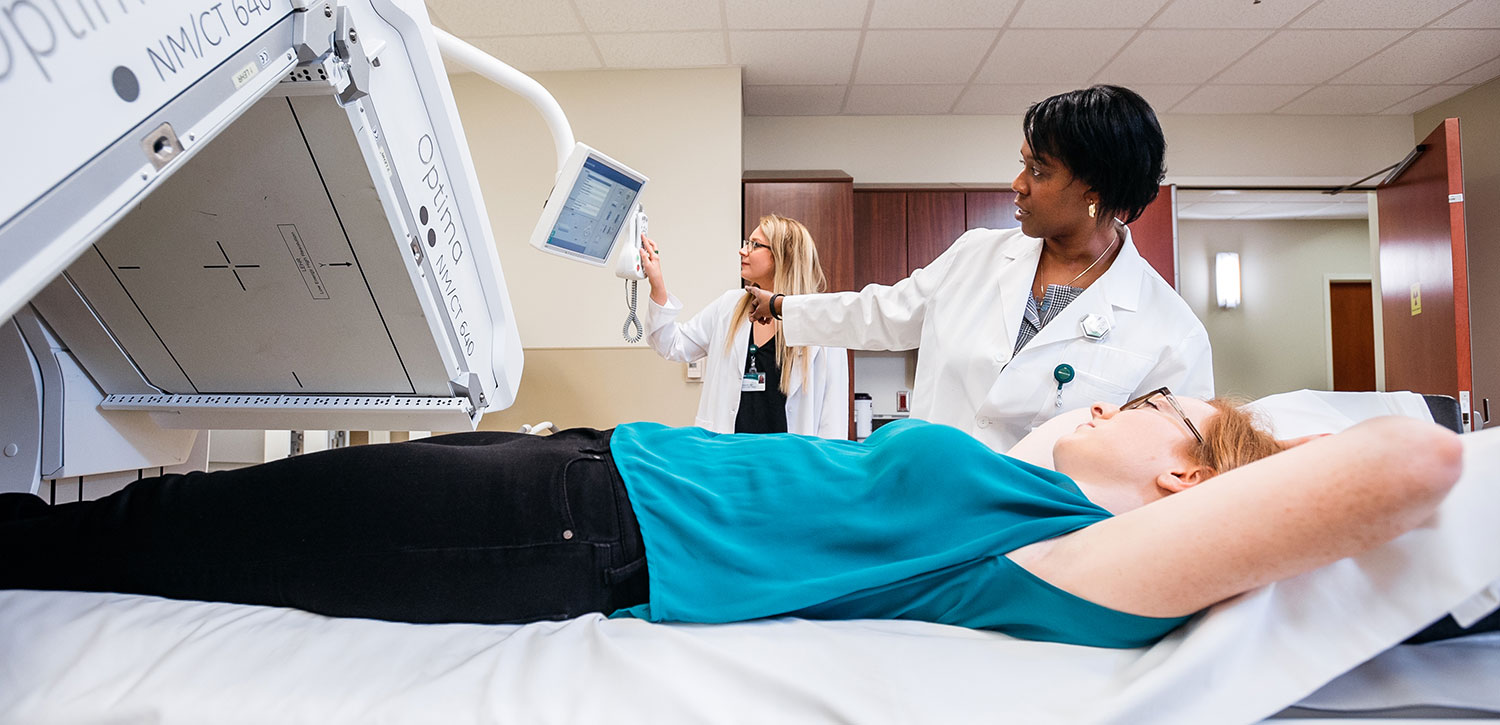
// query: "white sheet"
[[71, 657], [1456, 673]]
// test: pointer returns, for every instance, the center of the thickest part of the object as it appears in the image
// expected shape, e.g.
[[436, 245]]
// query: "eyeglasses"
[[1149, 399], [750, 245]]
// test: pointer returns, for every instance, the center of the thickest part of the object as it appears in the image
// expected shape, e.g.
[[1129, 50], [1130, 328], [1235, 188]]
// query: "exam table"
[[1322, 644]]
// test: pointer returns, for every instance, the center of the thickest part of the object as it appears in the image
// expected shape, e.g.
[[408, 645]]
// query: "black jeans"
[[474, 527]]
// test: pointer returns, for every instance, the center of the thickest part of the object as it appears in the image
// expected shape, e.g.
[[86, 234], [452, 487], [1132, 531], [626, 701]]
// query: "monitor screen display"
[[595, 209]]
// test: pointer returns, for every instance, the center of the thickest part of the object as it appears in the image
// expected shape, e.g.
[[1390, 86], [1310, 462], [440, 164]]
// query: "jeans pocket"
[[590, 506]]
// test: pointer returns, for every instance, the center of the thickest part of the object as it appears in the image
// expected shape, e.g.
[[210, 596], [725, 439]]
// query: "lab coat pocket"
[[1103, 374]]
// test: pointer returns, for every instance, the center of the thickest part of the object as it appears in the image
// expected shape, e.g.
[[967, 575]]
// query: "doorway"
[[1349, 307], [1289, 244]]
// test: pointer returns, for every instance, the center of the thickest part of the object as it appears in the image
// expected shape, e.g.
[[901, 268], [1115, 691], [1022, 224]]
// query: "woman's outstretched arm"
[[1287, 514]]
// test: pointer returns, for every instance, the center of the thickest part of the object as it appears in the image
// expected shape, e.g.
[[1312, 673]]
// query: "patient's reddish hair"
[[1232, 438]]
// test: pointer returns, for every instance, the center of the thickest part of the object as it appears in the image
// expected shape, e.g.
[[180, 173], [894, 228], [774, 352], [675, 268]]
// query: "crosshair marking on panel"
[[231, 266]]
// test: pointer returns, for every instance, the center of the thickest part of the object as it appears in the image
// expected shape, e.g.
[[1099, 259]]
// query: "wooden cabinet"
[[990, 210], [880, 228], [934, 219], [822, 200], [901, 229]]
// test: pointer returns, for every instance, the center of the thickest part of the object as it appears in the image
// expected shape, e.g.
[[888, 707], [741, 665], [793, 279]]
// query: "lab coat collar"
[[1016, 275], [1118, 288]]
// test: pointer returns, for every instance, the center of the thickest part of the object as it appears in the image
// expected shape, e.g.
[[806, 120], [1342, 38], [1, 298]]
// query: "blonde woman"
[[752, 381]]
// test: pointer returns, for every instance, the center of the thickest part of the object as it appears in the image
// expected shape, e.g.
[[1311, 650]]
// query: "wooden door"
[[934, 219], [1424, 272], [1351, 318], [879, 237], [1155, 234]]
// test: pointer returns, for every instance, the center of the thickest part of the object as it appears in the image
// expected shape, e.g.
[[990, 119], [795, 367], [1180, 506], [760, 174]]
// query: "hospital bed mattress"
[[1306, 642], [96, 658]]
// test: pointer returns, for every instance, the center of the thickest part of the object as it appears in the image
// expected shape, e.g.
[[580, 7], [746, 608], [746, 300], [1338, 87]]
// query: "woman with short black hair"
[[1017, 325]]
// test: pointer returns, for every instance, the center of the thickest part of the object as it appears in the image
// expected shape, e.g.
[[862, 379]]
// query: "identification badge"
[[753, 383], [1094, 326]]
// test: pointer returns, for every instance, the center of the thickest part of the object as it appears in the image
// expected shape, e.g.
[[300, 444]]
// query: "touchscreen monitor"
[[588, 207]]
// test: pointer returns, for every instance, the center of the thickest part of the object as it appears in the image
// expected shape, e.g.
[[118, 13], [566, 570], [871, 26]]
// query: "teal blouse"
[[912, 523]]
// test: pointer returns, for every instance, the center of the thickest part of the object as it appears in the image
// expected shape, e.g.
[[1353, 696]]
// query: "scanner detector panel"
[[248, 271]]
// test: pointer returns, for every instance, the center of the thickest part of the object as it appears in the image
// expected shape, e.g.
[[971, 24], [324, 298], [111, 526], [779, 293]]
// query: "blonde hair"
[[797, 273], [1232, 438]]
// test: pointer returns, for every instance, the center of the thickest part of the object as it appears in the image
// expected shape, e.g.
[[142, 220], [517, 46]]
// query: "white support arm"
[[523, 85]]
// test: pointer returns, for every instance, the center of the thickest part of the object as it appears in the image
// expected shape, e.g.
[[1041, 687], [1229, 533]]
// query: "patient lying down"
[[1124, 541]]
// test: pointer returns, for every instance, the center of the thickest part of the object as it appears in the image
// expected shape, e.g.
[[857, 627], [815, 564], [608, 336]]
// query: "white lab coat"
[[964, 313], [820, 407]]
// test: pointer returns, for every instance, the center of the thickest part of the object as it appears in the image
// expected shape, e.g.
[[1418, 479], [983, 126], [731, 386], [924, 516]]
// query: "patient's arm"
[[1331, 498]]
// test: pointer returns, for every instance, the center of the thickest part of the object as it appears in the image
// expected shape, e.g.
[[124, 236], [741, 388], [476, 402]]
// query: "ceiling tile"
[[1051, 56], [794, 57], [796, 14], [794, 100], [1162, 96], [950, 14], [506, 17], [1267, 197], [1479, 75], [1238, 99], [1427, 56], [1429, 97], [1373, 13], [1307, 56], [542, 52], [1086, 13], [613, 16], [1220, 14], [1220, 209], [1474, 14], [901, 100], [1005, 100], [1308, 211], [662, 50], [922, 56], [1349, 100], [1179, 56]]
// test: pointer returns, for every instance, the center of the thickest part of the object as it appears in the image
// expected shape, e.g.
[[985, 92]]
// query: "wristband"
[[775, 297]]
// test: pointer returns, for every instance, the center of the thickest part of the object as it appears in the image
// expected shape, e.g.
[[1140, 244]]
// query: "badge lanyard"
[[754, 380], [1095, 327], [1063, 374]]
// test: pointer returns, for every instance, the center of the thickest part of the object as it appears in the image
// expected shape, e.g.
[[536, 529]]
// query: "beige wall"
[[1201, 150], [1277, 339], [1478, 113], [679, 127], [598, 388]]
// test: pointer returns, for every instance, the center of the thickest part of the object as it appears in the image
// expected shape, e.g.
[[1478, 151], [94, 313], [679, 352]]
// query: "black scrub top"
[[763, 411]]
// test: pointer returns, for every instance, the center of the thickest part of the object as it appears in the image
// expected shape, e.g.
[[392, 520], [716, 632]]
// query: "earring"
[[1093, 210]]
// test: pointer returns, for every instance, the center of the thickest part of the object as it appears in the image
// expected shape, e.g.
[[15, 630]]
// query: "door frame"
[[1328, 279]]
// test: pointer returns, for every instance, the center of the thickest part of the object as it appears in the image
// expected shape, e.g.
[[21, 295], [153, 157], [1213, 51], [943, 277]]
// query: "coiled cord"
[[632, 320]]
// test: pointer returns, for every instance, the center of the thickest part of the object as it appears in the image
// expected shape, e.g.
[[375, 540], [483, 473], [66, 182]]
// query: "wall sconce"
[[1227, 279]]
